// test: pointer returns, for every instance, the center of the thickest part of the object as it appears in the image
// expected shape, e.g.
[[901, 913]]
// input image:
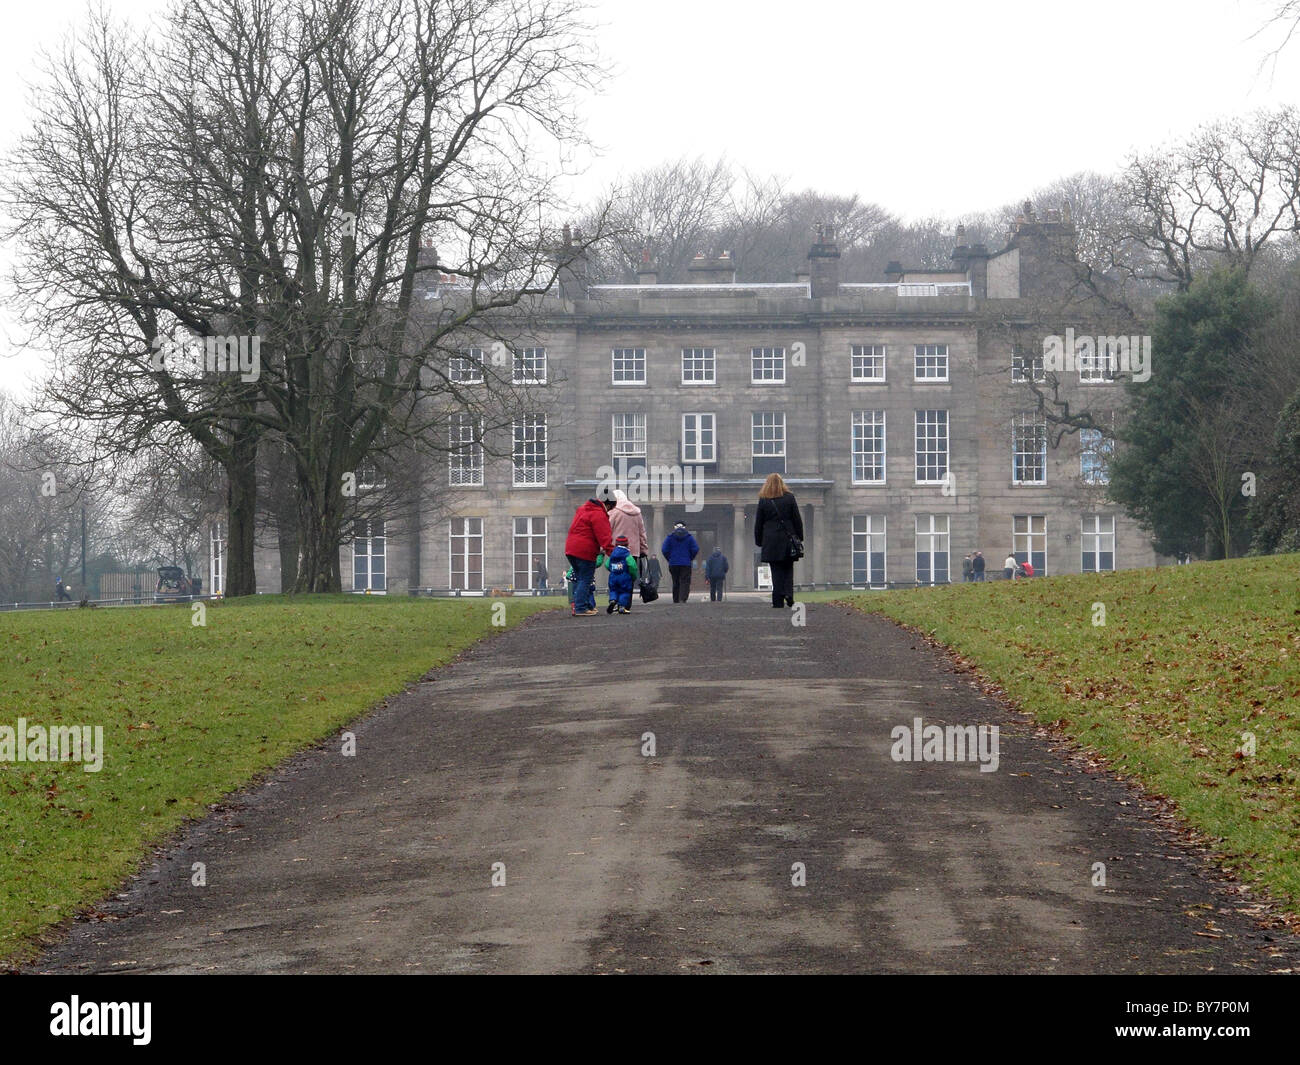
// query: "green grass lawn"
[[189, 713], [1189, 659]]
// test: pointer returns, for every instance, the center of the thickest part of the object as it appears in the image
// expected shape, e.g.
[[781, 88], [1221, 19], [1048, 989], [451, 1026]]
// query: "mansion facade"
[[903, 414]]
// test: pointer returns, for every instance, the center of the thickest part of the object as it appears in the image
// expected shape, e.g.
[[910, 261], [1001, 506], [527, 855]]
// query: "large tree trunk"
[[320, 520], [241, 517], [287, 534]]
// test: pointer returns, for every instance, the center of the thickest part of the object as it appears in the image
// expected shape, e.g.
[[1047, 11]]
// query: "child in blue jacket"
[[622, 577]]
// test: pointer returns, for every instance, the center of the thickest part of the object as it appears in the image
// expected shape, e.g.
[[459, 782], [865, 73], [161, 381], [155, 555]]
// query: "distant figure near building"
[[541, 573], [1009, 565], [977, 566], [679, 549], [967, 569], [715, 572], [61, 592]]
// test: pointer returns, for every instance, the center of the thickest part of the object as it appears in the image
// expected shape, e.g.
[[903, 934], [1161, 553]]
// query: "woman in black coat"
[[775, 522]]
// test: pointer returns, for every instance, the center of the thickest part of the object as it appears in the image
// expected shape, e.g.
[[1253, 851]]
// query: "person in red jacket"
[[589, 536]]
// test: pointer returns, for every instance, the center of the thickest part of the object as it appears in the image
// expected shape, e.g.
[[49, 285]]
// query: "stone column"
[[818, 545], [738, 576], [657, 533]]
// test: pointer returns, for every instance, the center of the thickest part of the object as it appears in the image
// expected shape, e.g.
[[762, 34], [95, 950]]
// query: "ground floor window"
[[217, 558], [466, 542], [932, 548], [868, 549], [1029, 540], [530, 549], [369, 557], [1098, 543]]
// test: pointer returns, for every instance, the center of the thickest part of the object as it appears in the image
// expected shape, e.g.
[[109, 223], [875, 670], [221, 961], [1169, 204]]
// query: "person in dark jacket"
[[541, 573], [589, 536], [977, 566], [654, 571], [715, 572], [775, 523], [680, 548]]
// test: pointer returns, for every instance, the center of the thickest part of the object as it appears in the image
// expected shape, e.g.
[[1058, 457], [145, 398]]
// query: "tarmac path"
[[772, 747]]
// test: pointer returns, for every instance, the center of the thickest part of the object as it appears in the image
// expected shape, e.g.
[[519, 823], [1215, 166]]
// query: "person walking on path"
[[626, 520], [967, 569], [715, 572], [680, 548], [589, 537], [778, 530], [654, 571], [541, 573], [61, 591], [622, 576], [1009, 566], [977, 566]]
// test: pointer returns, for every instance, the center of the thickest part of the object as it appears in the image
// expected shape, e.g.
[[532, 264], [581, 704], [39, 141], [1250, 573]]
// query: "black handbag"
[[795, 550]]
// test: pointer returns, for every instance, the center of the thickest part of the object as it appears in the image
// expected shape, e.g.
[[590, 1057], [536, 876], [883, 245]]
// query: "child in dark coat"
[[622, 577]]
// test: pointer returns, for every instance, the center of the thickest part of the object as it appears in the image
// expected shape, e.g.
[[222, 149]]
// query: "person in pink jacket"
[[625, 520]]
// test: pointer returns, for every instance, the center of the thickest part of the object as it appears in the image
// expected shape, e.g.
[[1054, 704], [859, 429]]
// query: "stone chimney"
[[426, 269], [571, 260], [706, 271], [824, 263], [646, 273]]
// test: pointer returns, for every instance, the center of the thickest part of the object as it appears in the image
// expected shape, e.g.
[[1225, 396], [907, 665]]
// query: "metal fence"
[[144, 600]]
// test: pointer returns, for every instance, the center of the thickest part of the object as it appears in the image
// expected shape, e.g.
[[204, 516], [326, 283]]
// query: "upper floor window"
[[628, 366], [467, 369], [1097, 361], [768, 441], [1095, 451], [1029, 448], [931, 362], [767, 365], [629, 435], [699, 366], [868, 447], [1027, 366], [931, 446], [530, 366], [699, 438], [529, 455], [465, 451], [868, 362]]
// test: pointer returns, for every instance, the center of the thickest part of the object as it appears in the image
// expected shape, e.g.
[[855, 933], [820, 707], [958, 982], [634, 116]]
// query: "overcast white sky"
[[942, 107]]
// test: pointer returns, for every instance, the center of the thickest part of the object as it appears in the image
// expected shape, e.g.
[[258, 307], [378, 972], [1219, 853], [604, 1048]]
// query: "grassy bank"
[[1188, 660], [189, 713]]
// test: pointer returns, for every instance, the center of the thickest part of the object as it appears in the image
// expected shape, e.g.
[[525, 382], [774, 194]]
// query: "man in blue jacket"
[[679, 548]]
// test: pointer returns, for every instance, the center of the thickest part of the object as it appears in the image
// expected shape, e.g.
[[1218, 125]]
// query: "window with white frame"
[[1095, 452], [217, 558], [868, 549], [768, 440], [867, 362], [931, 446], [628, 366], [1029, 448], [465, 451], [932, 548], [467, 368], [1027, 366], [1097, 361], [465, 549], [868, 447], [1029, 540], [767, 365], [629, 435], [699, 366], [368, 475], [529, 366], [931, 362], [529, 453], [369, 556], [699, 438], [530, 548], [1097, 543]]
